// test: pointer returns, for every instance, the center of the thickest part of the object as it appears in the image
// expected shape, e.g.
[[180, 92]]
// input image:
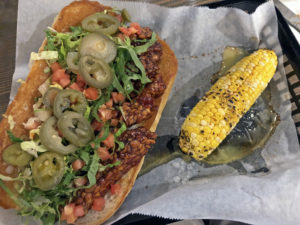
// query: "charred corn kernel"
[[229, 98]]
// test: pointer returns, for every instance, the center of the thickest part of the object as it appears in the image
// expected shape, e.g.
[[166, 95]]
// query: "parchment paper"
[[190, 191]]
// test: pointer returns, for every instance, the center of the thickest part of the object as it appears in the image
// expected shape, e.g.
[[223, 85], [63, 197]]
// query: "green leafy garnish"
[[12, 137], [110, 165], [143, 48], [93, 170], [64, 42]]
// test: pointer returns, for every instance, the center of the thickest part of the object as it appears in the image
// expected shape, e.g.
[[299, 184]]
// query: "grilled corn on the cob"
[[218, 112]]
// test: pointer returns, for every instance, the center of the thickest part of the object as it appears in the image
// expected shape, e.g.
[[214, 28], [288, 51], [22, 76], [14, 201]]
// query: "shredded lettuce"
[[32, 148], [63, 43], [48, 55]]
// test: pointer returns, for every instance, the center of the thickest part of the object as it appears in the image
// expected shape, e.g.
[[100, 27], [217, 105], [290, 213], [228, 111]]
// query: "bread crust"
[[21, 109]]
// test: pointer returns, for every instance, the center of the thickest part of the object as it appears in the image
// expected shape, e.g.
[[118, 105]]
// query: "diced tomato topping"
[[92, 145], [55, 66], [68, 213], [77, 164], [96, 125], [118, 97], [114, 122], [137, 27], [91, 93], [98, 204], [80, 81], [75, 86], [103, 153], [60, 77], [65, 82], [115, 189], [80, 181], [79, 78], [109, 141], [63, 216], [125, 31], [109, 103], [79, 211], [57, 75], [134, 28], [104, 114]]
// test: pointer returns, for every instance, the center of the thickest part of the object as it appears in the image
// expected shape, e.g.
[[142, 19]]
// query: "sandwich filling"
[[87, 128]]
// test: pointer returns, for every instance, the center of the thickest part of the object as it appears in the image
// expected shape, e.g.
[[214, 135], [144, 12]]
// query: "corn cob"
[[218, 112]]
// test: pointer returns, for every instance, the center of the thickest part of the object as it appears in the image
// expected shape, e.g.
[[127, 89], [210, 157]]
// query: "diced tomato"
[[114, 122], [137, 27], [109, 141], [77, 164], [80, 181], [91, 93], [132, 30], [68, 213], [115, 189], [98, 204], [64, 82], [55, 66], [109, 103], [125, 31], [63, 216], [79, 211], [103, 153], [75, 86], [80, 81], [60, 77], [118, 97], [79, 78], [92, 145], [104, 114], [58, 74], [96, 125]]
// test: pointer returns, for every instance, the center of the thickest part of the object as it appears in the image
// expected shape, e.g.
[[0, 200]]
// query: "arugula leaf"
[[137, 62], [143, 48], [104, 167], [48, 218], [12, 137], [67, 178], [117, 85], [93, 170], [118, 134], [85, 156], [121, 130]]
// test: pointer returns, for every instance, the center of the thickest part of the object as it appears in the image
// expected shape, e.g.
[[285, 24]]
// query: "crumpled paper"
[[183, 190]]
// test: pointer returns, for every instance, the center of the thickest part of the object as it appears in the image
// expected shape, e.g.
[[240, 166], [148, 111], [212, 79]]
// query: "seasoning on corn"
[[218, 112]]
